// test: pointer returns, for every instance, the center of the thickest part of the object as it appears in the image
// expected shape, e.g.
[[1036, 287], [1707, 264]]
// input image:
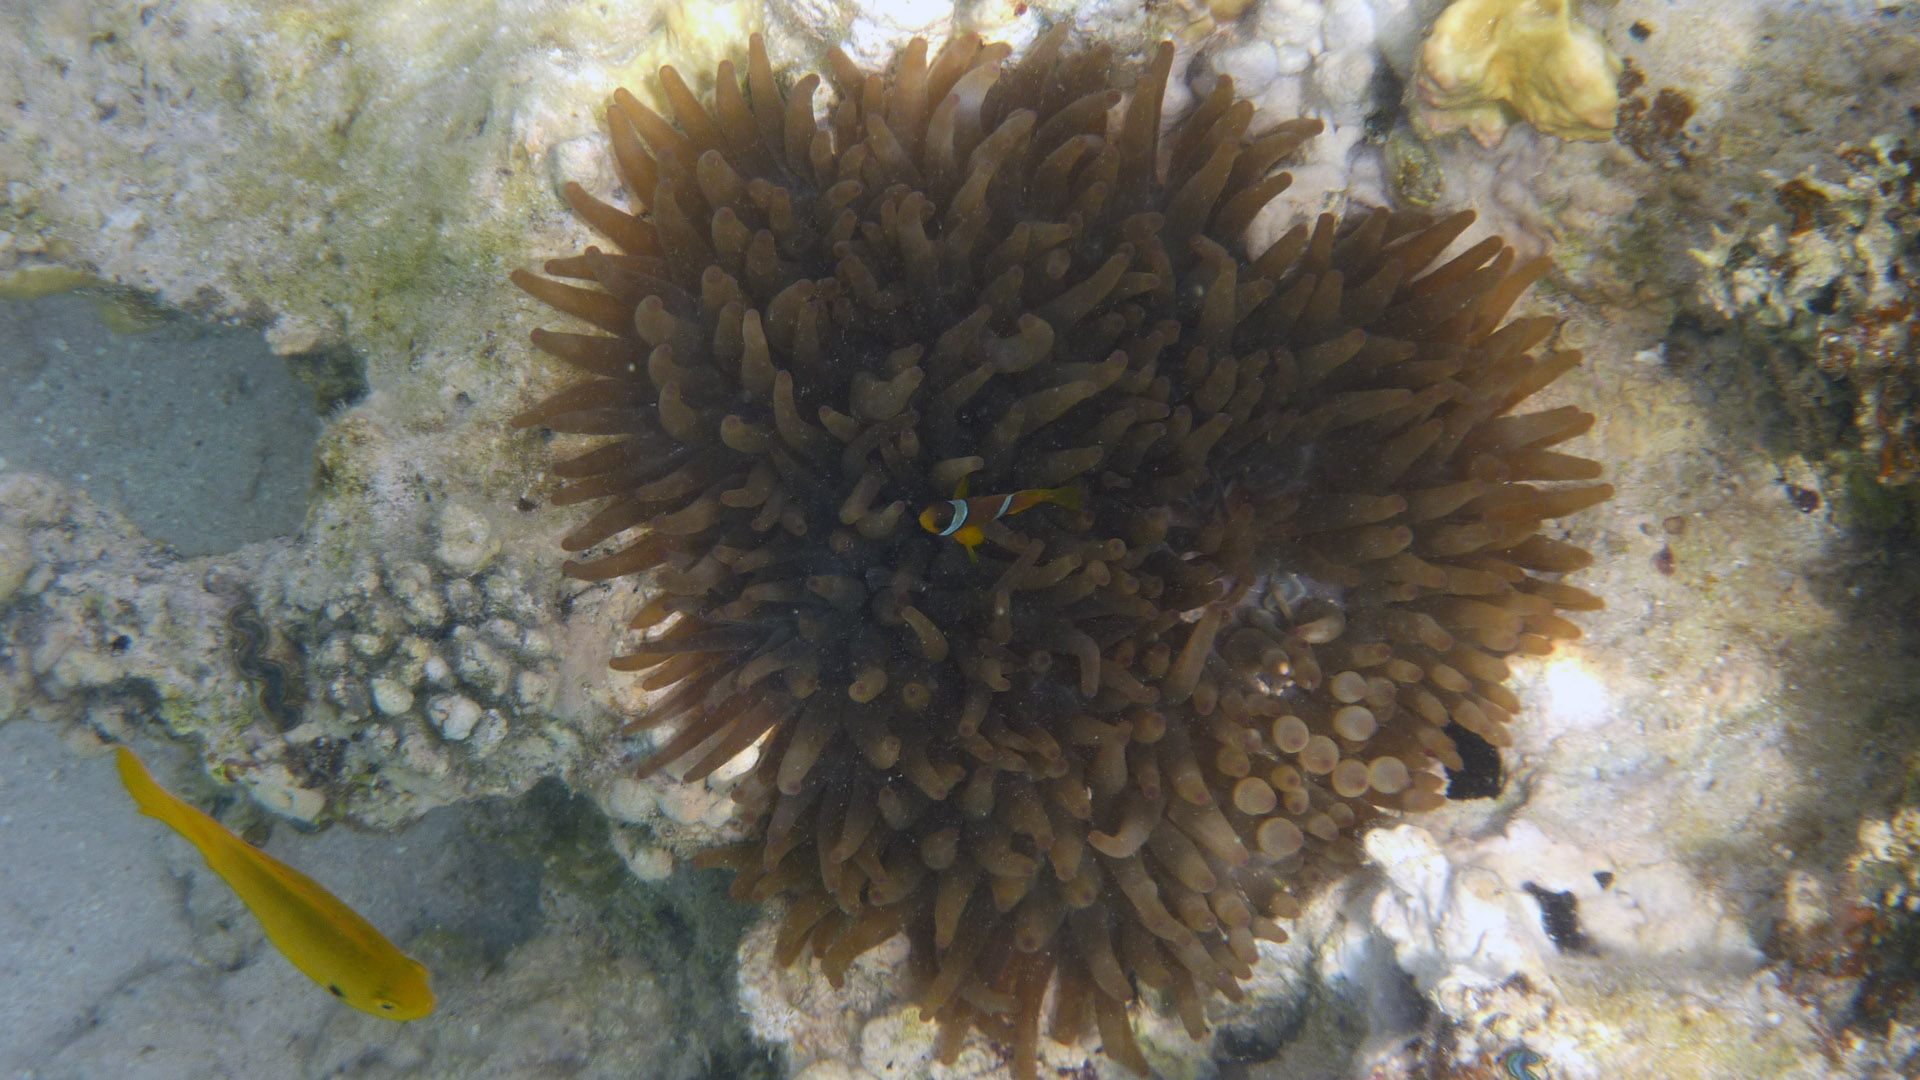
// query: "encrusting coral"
[[1486, 62], [1098, 756]]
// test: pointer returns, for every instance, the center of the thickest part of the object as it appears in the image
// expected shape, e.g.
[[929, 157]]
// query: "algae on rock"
[[1830, 300]]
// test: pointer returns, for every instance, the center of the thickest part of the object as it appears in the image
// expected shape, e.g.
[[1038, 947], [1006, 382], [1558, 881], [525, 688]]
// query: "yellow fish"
[[323, 937], [962, 517]]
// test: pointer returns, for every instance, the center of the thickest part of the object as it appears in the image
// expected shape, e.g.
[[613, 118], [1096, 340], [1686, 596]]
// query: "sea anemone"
[[1297, 528]]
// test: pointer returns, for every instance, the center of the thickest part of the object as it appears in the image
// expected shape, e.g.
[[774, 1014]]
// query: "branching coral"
[[1098, 757]]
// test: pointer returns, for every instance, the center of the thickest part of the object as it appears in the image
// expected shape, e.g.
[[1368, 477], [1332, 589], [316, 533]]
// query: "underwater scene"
[[960, 539]]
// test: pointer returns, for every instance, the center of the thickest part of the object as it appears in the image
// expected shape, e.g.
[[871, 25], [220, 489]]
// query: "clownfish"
[[961, 517], [320, 935]]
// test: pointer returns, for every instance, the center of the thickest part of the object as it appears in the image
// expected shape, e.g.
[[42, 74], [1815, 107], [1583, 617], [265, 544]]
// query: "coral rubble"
[[1830, 297]]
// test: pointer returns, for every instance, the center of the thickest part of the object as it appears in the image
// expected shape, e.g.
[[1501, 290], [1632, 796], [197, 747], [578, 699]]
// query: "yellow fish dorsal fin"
[[960, 489], [318, 933]]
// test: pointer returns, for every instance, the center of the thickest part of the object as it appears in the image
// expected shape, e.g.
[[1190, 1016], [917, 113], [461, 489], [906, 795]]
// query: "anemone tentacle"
[[1107, 753]]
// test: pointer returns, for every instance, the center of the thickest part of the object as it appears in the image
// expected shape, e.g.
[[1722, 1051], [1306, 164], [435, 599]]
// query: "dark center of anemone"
[[1278, 522]]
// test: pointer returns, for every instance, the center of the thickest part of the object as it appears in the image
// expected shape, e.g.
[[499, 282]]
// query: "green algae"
[[1413, 172], [35, 282]]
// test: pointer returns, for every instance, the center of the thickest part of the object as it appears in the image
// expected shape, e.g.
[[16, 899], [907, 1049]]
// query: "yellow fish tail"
[[157, 802], [1069, 496]]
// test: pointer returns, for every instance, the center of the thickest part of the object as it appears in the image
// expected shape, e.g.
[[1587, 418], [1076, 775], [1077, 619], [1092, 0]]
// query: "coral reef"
[[1853, 938], [454, 642], [1487, 63], [358, 180], [1304, 531], [1829, 298], [324, 693]]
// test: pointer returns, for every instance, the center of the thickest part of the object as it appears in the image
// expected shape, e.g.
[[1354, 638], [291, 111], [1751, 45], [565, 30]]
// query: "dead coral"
[[1098, 757], [1852, 941], [1831, 297]]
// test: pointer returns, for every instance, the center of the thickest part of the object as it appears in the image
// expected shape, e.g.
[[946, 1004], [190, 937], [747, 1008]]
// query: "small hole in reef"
[[1386, 91], [1560, 918], [337, 374], [1482, 775], [1822, 302]]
